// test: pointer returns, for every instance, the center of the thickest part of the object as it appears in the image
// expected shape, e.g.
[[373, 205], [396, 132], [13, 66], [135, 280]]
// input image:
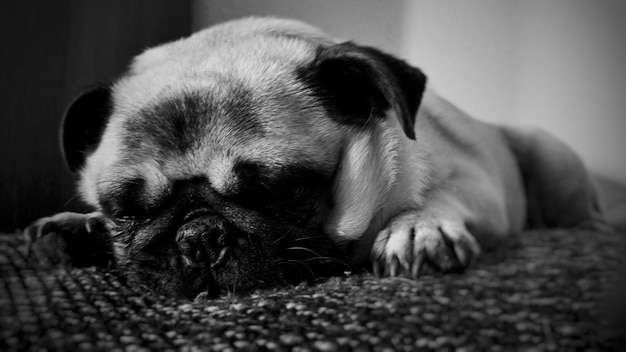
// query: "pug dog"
[[262, 151]]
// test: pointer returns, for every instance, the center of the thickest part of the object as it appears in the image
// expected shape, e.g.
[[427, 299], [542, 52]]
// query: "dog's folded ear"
[[356, 83], [84, 123]]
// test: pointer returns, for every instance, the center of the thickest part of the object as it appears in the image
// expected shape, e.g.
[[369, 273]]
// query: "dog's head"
[[246, 155]]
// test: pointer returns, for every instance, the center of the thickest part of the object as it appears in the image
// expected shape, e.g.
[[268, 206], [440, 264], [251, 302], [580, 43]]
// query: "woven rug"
[[550, 291]]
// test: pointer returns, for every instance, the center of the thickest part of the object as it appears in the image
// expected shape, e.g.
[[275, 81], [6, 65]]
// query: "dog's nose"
[[203, 240]]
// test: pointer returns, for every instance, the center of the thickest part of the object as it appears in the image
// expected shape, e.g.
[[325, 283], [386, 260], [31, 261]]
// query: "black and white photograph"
[[348, 175]]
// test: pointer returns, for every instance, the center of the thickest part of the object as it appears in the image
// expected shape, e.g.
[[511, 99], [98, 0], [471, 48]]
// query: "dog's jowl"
[[262, 151]]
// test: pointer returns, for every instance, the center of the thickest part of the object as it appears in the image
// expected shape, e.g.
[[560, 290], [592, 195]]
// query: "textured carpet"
[[551, 291]]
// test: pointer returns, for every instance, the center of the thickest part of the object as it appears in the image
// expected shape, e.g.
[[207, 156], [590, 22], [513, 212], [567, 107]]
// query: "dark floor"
[[552, 291]]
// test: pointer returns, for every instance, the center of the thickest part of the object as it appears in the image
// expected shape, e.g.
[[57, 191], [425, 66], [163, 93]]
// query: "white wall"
[[571, 78], [556, 64]]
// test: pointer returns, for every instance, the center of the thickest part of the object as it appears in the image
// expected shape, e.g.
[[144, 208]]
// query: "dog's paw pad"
[[410, 244]]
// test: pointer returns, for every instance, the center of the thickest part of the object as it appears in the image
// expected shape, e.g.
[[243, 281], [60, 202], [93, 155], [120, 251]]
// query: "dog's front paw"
[[69, 239], [411, 243]]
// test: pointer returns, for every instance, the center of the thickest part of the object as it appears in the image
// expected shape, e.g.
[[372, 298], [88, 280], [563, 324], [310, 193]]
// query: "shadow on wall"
[[51, 51]]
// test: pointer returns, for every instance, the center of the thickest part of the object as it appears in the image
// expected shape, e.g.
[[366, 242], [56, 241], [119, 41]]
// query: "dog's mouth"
[[209, 255]]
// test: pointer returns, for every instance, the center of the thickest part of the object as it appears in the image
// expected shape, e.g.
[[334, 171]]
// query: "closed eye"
[[258, 193], [286, 192], [131, 199]]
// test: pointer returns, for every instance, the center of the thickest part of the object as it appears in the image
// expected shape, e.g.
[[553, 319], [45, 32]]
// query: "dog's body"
[[261, 148]]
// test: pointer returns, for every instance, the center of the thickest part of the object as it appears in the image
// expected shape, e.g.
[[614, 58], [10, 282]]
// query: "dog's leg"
[[70, 239], [558, 188], [436, 236]]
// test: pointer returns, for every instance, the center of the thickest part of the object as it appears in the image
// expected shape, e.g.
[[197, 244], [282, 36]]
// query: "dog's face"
[[244, 156]]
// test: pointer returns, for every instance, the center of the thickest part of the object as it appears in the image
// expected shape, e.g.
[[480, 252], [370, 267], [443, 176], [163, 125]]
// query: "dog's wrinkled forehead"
[[201, 105]]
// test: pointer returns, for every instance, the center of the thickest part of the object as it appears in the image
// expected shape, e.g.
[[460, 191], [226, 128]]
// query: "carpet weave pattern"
[[551, 291]]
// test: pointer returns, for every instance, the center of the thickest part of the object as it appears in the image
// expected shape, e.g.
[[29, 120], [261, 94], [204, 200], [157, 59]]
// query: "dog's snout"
[[203, 240]]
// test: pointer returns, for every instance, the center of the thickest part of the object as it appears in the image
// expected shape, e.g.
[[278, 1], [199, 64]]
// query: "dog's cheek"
[[154, 270], [248, 269]]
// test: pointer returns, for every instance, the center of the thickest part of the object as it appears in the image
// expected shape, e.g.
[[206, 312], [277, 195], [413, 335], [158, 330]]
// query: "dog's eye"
[[289, 203], [289, 193], [124, 218], [127, 201], [258, 193]]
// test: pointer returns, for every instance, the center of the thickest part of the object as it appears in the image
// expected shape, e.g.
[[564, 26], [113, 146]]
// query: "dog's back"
[[542, 182]]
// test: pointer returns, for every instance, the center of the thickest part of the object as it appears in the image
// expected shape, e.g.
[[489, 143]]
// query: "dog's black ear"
[[357, 83], [84, 123]]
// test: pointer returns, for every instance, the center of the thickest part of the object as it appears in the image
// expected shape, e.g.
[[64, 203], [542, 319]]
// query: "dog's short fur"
[[261, 150]]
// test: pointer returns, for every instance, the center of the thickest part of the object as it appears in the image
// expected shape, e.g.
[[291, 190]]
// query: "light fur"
[[460, 185]]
